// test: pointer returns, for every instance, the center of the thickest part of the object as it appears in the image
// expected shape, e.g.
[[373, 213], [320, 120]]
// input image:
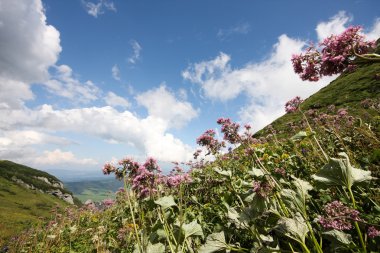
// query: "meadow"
[[307, 183]]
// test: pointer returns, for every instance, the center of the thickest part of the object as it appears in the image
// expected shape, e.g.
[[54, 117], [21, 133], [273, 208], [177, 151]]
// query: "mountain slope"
[[26, 195]]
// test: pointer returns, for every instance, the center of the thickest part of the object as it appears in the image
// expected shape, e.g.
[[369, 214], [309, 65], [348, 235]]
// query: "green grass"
[[94, 190], [21, 207]]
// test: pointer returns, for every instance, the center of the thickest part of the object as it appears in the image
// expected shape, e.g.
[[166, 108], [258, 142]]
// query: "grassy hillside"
[[309, 183], [21, 207]]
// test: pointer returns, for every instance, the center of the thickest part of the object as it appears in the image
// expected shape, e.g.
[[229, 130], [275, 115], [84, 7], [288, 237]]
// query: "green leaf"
[[338, 236], [193, 228], [299, 136], [227, 173], [294, 228], [256, 172], [155, 248], [296, 200], [235, 217], [338, 171], [214, 242], [166, 202]]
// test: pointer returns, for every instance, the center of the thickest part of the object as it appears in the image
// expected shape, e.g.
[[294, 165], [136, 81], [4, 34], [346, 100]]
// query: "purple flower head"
[[338, 216], [293, 104], [262, 189], [342, 112], [108, 169], [151, 165], [207, 140], [336, 56], [230, 130], [108, 202], [372, 232]]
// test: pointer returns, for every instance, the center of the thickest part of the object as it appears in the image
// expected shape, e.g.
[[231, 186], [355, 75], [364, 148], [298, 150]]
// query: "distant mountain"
[[26, 196]]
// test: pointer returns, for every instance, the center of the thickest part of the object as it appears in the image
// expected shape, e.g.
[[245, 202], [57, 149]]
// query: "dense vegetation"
[[315, 191], [307, 183]]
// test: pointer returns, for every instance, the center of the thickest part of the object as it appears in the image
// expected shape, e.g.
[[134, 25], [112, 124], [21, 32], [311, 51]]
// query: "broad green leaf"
[[166, 202], [214, 242], [294, 228], [155, 248], [235, 217], [297, 199], [256, 172], [338, 236], [299, 136], [338, 171], [193, 228], [227, 173]]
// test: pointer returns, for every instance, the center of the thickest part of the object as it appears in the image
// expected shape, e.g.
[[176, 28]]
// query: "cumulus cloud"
[[336, 25], [267, 84], [374, 32], [96, 9], [60, 157], [148, 135], [115, 72], [116, 101], [136, 52], [64, 84], [29, 46], [242, 28], [163, 104]]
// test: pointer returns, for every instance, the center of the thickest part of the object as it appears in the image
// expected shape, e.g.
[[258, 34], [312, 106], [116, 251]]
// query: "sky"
[[85, 82]]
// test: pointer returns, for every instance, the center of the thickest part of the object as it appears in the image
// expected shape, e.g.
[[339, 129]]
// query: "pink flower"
[[108, 169], [108, 202], [293, 104], [230, 130], [338, 216], [372, 232], [336, 56]]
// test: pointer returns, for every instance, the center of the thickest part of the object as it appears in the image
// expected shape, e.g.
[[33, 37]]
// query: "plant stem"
[[356, 223], [133, 216], [319, 249]]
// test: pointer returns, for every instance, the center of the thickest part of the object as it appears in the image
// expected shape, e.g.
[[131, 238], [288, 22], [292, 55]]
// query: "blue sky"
[[83, 82]]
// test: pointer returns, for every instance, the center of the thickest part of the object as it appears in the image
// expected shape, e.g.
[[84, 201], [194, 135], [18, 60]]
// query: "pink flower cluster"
[[207, 139], [262, 189], [230, 130], [176, 177], [372, 232], [293, 104], [336, 56], [145, 178], [338, 216]]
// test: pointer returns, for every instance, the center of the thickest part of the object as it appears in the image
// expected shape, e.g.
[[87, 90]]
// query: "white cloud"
[[148, 135], [136, 52], [57, 156], [29, 46], [374, 33], [242, 28], [96, 9], [114, 100], [163, 104], [336, 25], [115, 72], [267, 84], [65, 85]]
